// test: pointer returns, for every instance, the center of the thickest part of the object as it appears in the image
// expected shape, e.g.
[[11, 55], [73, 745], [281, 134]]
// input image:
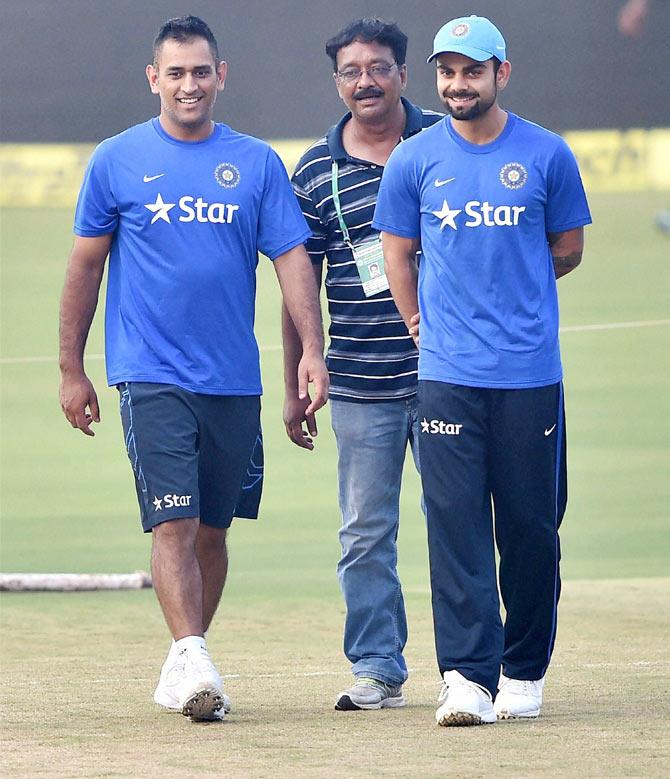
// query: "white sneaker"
[[518, 698], [164, 696], [190, 683], [463, 702]]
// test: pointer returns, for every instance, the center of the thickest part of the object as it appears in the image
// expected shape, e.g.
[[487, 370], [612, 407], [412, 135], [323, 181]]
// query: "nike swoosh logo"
[[439, 183], [550, 431], [147, 179]]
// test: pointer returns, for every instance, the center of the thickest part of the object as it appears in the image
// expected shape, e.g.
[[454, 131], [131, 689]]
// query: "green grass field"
[[78, 669]]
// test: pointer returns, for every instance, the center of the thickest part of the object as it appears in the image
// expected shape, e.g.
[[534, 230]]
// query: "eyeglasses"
[[376, 72]]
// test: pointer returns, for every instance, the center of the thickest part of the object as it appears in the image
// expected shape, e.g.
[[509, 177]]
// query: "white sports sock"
[[189, 642]]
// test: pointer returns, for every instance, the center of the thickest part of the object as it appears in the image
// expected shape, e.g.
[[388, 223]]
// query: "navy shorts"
[[192, 455]]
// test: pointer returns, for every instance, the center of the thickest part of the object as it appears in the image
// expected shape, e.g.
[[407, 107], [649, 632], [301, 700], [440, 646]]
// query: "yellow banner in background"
[[49, 175], [42, 175], [622, 161]]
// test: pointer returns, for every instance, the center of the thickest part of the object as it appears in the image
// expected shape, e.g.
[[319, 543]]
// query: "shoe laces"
[[522, 686], [198, 659], [455, 681], [368, 681]]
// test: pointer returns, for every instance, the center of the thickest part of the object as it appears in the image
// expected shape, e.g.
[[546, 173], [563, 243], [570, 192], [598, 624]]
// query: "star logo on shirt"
[[160, 209], [158, 504], [447, 215], [425, 425]]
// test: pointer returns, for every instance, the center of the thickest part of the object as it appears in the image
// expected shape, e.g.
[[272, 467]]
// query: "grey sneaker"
[[368, 693]]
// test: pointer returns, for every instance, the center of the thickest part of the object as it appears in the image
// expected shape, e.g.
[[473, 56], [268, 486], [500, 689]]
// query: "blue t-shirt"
[[188, 221], [487, 291]]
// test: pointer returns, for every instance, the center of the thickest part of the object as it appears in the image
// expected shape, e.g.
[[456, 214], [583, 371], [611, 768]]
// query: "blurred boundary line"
[[49, 175], [277, 347]]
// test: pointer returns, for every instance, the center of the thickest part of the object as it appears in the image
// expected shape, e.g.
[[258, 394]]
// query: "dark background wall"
[[73, 70]]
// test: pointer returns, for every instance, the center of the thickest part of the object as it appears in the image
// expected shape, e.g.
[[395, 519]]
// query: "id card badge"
[[370, 265]]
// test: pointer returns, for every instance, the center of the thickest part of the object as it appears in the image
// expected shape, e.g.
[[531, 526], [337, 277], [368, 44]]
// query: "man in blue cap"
[[498, 207]]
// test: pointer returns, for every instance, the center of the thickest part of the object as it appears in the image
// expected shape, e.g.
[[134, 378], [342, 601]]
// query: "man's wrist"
[[70, 367], [312, 348]]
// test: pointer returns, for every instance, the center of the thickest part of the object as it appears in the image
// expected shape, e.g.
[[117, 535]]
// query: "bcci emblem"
[[460, 30], [513, 175], [227, 175]]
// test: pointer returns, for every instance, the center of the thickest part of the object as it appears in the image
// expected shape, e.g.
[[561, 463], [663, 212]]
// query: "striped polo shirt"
[[370, 357]]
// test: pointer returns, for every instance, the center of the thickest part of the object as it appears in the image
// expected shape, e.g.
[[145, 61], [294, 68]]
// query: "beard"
[[467, 113]]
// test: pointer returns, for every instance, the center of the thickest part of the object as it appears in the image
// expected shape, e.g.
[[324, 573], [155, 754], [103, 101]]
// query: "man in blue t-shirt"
[[182, 206], [498, 206]]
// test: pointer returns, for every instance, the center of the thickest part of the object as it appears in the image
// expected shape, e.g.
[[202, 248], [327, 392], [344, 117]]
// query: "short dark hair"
[[183, 29], [368, 30]]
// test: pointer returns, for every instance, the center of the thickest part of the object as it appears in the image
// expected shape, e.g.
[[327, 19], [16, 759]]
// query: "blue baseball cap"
[[473, 36]]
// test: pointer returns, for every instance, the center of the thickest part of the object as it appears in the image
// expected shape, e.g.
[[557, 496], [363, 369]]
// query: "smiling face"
[[369, 80], [467, 88], [187, 78]]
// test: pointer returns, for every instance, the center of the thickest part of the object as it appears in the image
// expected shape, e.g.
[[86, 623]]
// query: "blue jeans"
[[372, 441]]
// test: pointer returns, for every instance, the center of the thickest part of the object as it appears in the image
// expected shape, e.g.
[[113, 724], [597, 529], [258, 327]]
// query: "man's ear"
[[152, 78]]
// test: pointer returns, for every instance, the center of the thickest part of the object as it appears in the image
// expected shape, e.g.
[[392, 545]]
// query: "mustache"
[[368, 92], [461, 94]]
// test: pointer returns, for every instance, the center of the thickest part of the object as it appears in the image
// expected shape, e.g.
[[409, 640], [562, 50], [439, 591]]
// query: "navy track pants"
[[493, 461]]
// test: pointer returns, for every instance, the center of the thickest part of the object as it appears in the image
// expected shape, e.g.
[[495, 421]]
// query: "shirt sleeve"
[[567, 206], [398, 209], [317, 242], [97, 212], [281, 225]]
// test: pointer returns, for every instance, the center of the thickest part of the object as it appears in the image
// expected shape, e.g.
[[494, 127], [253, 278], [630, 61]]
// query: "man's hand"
[[302, 336], [413, 328], [77, 307], [312, 370], [295, 417], [77, 394], [403, 276]]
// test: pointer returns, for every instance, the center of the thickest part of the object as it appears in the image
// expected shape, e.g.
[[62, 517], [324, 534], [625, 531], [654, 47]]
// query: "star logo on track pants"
[[440, 427]]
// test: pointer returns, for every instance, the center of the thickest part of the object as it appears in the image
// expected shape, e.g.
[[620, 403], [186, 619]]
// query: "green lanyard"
[[336, 202]]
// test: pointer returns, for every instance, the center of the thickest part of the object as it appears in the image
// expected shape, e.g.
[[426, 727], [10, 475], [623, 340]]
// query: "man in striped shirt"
[[372, 360]]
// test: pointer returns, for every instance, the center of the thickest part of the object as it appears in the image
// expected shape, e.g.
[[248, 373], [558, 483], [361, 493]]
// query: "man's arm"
[[566, 250], [294, 407], [400, 263], [78, 303], [304, 337]]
